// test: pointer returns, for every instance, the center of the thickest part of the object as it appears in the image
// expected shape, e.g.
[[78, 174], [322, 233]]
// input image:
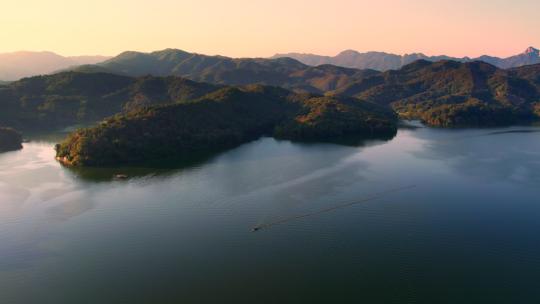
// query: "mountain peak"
[[532, 51], [348, 53]]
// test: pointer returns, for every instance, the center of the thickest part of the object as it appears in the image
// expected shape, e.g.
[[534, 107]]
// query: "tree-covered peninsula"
[[222, 119]]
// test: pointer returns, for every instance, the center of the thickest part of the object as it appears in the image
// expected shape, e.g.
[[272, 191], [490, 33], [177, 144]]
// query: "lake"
[[431, 216]]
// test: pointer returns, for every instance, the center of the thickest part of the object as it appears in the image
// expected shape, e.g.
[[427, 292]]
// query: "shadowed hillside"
[[449, 93], [283, 72], [64, 99], [223, 119], [444, 93]]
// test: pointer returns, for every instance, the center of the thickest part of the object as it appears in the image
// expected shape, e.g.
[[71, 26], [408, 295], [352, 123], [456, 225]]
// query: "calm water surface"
[[467, 232]]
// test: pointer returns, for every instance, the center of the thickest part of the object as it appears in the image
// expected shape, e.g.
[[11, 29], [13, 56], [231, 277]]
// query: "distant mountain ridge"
[[17, 65], [446, 93], [316, 74], [381, 61], [277, 70], [283, 72]]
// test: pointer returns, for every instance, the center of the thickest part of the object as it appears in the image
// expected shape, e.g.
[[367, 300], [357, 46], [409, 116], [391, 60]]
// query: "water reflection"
[[498, 155], [170, 167]]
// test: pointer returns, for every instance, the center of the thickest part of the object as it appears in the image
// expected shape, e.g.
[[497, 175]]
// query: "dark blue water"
[[464, 228]]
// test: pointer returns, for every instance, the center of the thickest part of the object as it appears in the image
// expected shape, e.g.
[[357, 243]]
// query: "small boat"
[[120, 176], [256, 229]]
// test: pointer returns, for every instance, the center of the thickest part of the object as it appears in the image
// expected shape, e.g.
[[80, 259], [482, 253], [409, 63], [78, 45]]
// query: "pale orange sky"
[[242, 28]]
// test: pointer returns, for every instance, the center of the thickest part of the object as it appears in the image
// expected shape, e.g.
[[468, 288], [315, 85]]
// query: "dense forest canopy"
[[227, 117], [439, 91], [444, 93], [283, 72], [184, 114], [450, 94], [65, 99]]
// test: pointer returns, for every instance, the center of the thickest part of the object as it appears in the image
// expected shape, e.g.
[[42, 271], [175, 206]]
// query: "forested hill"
[[530, 73], [65, 99], [283, 72], [444, 93], [154, 116], [450, 93], [223, 119]]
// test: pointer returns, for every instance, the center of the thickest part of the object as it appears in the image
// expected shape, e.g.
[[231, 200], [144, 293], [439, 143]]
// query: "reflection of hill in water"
[[155, 168], [168, 167]]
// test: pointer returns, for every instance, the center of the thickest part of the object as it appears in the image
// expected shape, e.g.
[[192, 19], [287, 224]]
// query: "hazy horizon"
[[518, 51], [241, 28]]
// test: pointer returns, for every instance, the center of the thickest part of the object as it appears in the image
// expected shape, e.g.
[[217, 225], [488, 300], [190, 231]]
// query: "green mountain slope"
[[444, 93], [528, 72], [222, 119], [69, 98], [283, 72], [449, 93]]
